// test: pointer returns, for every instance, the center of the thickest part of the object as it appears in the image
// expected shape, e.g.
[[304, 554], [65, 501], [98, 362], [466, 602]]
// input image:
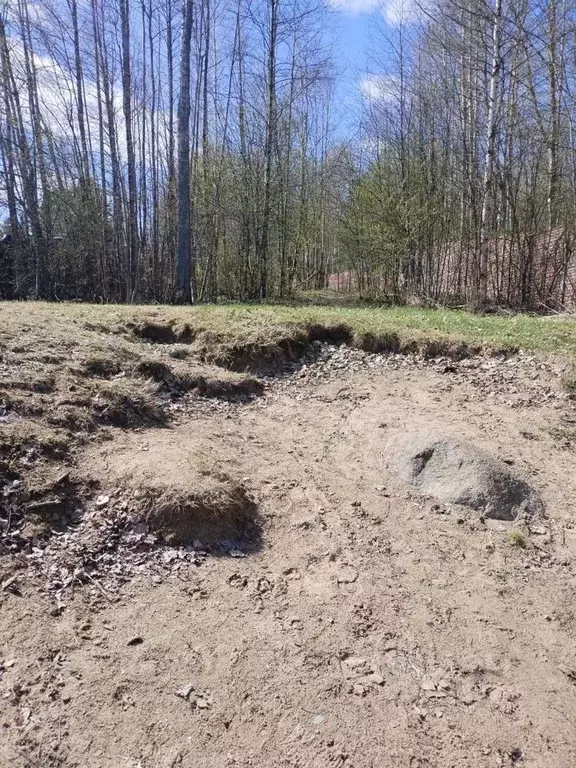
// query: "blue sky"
[[352, 34], [357, 25]]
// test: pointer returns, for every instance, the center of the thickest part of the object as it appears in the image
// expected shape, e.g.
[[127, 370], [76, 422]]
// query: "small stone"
[[427, 684], [101, 501], [11, 582], [355, 663], [539, 530], [318, 720], [185, 691]]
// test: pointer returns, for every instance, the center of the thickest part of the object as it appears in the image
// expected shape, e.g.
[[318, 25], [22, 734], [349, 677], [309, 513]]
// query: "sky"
[[356, 23], [352, 21]]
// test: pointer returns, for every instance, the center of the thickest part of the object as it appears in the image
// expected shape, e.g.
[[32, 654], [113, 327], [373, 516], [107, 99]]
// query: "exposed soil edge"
[[251, 356], [205, 386], [257, 357], [162, 333]]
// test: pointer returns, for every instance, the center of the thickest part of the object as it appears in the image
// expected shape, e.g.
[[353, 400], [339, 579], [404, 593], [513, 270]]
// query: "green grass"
[[544, 334], [516, 539], [246, 323]]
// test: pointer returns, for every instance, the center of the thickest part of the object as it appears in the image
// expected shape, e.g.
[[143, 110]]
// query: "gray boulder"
[[461, 474]]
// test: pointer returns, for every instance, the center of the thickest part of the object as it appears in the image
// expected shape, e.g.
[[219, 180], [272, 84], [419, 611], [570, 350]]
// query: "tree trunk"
[[491, 146], [185, 288], [268, 147], [132, 285]]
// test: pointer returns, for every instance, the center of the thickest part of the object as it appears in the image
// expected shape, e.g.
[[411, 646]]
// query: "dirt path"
[[372, 628]]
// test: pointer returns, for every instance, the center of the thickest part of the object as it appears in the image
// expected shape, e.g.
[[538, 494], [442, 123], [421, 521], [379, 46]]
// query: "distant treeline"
[[187, 150]]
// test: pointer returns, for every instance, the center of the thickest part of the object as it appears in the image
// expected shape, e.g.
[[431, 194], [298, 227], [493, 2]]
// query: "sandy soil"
[[371, 628]]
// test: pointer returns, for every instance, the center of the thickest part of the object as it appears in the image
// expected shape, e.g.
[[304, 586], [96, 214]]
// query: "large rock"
[[461, 474]]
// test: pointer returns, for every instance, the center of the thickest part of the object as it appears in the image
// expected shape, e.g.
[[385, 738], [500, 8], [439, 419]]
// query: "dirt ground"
[[368, 627]]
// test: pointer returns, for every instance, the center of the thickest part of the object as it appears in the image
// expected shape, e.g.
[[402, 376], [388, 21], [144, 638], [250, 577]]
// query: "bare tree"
[[186, 270]]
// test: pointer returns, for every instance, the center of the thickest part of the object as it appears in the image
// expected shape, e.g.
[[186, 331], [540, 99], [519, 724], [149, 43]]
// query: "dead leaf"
[[570, 673]]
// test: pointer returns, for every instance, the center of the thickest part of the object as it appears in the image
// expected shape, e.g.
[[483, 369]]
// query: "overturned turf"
[[64, 385], [213, 513]]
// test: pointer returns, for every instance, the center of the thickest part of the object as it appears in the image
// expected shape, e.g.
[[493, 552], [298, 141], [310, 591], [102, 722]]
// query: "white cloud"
[[382, 88], [355, 6], [395, 12], [398, 12]]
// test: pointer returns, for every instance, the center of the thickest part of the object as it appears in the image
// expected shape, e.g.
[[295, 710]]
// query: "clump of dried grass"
[[224, 388], [104, 367], [178, 352], [211, 515], [73, 418], [151, 368], [30, 439], [185, 378], [128, 402], [516, 539], [28, 382]]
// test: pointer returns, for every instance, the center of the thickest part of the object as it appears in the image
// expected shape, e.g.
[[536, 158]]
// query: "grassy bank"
[[262, 324]]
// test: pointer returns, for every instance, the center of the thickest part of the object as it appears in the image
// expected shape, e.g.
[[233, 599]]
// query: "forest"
[[193, 151]]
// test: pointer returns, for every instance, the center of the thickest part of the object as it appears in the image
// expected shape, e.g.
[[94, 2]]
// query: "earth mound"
[[219, 511]]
